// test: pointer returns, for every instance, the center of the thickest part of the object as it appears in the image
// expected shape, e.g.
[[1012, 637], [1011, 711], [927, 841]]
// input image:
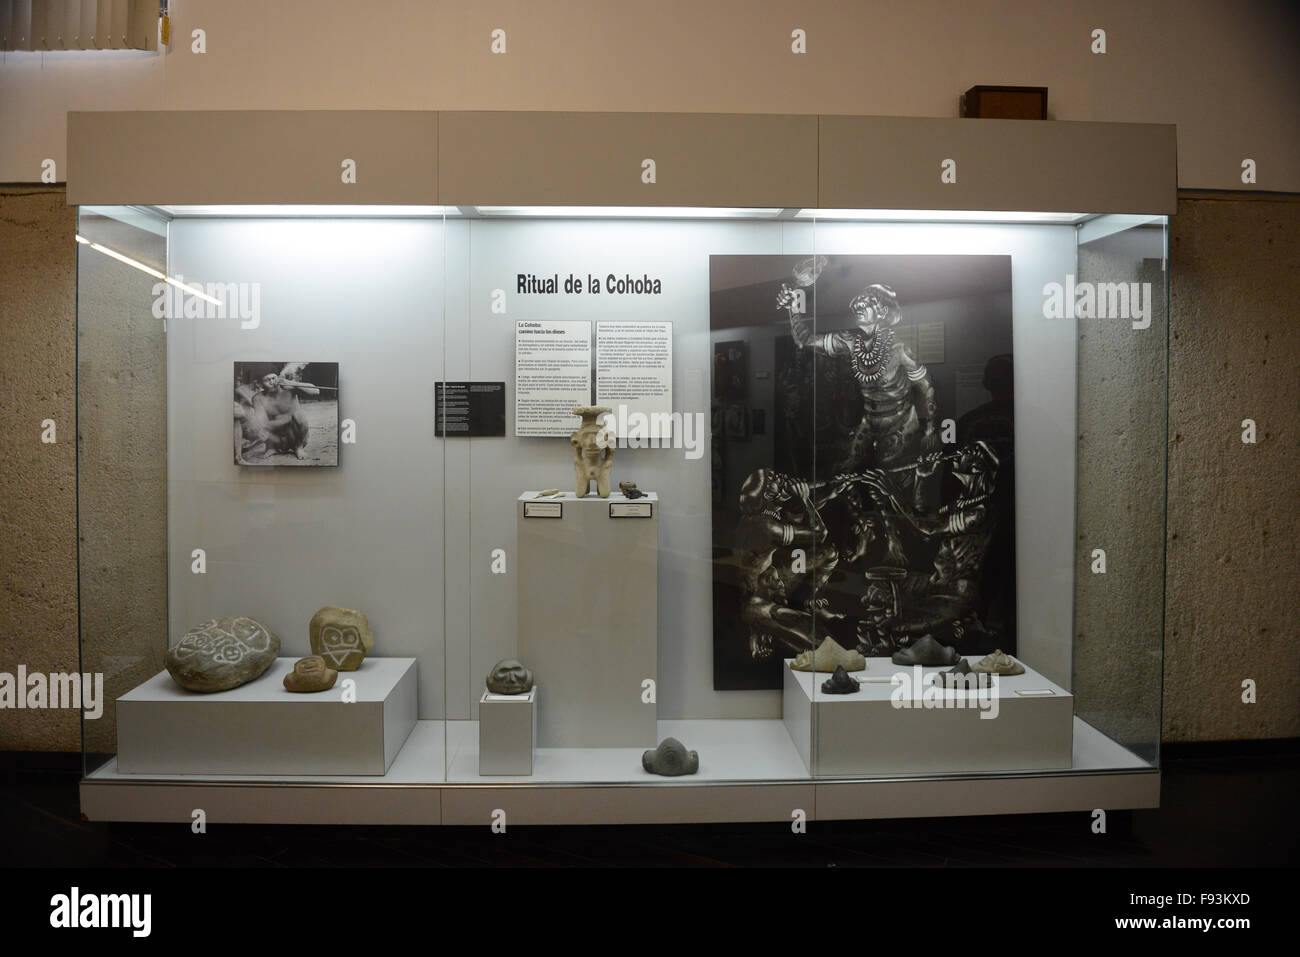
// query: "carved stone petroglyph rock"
[[670, 759], [221, 654], [593, 451], [630, 490], [829, 656], [999, 663], [509, 677], [840, 683], [926, 651], [341, 636], [310, 674]]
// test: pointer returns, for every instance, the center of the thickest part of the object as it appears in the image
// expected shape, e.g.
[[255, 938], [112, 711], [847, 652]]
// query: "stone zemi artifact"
[[841, 683], [310, 674], [509, 677], [829, 656], [341, 636], [593, 451], [671, 759], [999, 663], [926, 651], [222, 653], [630, 490]]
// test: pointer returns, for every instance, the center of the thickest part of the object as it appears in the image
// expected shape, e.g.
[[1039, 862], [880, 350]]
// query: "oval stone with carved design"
[[222, 653], [341, 636]]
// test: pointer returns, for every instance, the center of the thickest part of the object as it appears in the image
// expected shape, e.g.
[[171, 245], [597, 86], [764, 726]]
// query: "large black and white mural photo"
[[863, 457]]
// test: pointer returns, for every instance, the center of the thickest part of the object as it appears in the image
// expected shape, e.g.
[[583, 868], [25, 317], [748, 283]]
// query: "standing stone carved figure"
[[593, 451]]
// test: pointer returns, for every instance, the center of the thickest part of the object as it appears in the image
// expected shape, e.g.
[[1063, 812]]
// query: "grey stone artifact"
[[962, 667], [999, 663], [593, 453], [841, 683], [670, 759], [341, 636], [926, 651], [828, 656], [310, 674], [509, 677], [630, 490], [222, 653]]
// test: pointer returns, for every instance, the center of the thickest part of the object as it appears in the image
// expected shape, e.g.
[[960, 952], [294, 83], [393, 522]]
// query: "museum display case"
[[538, 501]]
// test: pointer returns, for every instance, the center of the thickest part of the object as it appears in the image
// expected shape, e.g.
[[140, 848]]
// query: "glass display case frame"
[[841, 391]]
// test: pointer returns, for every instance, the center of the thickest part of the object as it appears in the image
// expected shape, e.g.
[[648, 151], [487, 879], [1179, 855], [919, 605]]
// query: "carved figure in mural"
[[593, 452], [898, 404], [962, 528], [779, 517]]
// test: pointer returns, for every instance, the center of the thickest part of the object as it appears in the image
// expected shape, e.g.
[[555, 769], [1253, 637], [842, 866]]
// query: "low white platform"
[[260, 728], [1027, 726]]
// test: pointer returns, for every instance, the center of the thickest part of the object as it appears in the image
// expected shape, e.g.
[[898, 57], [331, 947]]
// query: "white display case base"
[[1028, 726], [261, 728], [507, 733], [416, 791]]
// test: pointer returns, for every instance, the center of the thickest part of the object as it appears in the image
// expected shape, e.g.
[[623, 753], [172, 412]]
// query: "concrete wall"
[[1224, 71], [1231, 602], [38, 545]]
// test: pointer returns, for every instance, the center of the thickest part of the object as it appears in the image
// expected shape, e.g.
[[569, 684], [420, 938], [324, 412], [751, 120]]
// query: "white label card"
[[543, 510], [631, 509], [552, 375]]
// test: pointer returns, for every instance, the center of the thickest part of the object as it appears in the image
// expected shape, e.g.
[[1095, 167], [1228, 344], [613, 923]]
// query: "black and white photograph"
[[861, 517], [286, 413]]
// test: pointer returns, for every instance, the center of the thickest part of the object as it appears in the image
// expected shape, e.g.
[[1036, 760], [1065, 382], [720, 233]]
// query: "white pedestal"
[[507, 733], [261, 728], [589, 616], [866, 734]]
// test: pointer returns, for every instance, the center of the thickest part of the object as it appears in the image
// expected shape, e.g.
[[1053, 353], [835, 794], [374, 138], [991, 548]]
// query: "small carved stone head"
[[671, 759], [509, 677]]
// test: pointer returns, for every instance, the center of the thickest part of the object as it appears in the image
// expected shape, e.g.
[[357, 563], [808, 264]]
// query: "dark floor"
[[1222, 806]]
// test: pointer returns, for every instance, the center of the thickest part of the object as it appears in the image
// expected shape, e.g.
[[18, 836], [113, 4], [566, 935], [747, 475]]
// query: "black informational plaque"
[[469, 409]]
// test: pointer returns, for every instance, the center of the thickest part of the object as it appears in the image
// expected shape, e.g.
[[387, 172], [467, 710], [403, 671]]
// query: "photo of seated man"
[[286, 413]]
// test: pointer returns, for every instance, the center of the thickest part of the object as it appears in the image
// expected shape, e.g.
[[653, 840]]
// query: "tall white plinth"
[[589, 616]]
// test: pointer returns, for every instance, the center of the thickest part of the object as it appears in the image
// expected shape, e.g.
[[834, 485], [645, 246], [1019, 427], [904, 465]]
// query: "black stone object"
[[841, 683], [926, 651]]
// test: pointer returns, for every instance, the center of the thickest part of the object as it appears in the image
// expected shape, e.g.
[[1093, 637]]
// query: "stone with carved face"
[[310, 674], [341, 636], [509, 677]]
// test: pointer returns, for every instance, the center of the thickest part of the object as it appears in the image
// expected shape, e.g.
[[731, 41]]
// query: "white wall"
[[282, 542], [1225, 72], [371, 534]]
